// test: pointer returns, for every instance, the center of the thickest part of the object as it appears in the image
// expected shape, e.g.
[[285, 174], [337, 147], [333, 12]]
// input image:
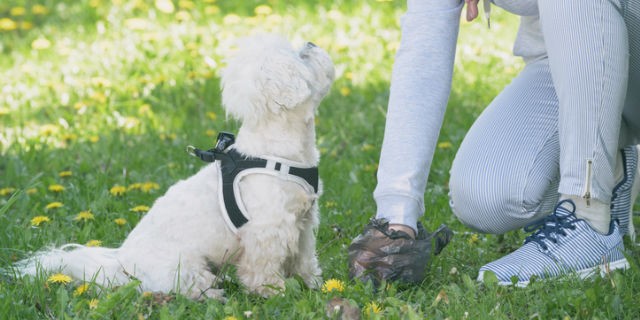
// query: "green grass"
[[113, 91]]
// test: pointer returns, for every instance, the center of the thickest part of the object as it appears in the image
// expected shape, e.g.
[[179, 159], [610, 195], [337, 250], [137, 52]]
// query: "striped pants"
[[557, 128]]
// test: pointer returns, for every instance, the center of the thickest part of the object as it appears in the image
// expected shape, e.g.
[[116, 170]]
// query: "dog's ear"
[[265, 75], [285, 82]]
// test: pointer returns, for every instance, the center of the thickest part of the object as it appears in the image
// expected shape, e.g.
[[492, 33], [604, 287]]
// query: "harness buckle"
[[225, 139], [191, 150]]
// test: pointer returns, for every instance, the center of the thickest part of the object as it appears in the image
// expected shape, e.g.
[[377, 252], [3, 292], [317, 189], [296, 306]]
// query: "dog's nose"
[[311, 45]]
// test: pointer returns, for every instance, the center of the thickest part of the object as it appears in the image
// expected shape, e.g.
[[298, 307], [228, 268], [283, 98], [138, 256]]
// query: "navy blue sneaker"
[[625, 193], [562, 244]]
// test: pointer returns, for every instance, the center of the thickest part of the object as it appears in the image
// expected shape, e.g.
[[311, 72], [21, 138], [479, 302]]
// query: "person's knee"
[[482, 203]]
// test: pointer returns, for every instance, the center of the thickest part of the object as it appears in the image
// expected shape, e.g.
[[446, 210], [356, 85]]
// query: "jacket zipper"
[[587, 188]]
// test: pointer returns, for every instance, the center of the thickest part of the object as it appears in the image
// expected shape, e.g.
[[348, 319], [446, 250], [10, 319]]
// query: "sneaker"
[[562, 244], [625, 193]]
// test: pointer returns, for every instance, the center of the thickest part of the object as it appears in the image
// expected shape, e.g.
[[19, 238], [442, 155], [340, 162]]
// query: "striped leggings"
[[557, 128]]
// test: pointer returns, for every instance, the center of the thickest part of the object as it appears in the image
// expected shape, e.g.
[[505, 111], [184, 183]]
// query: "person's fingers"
[[472, 9]]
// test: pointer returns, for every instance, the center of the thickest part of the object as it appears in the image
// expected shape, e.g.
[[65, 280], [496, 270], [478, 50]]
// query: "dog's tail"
[[77, 261]]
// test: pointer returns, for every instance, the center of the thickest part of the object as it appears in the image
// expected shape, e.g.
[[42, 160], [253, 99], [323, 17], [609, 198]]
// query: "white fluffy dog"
[[274, 91]]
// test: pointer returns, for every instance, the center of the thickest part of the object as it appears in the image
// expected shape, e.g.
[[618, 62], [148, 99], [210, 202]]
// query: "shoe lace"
[[551, 227]]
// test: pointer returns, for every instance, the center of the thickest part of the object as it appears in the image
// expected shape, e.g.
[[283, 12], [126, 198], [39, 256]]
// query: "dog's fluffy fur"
[[274, 91]]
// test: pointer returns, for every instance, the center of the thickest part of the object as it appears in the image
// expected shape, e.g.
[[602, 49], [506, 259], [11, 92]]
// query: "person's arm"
[[420, 87]]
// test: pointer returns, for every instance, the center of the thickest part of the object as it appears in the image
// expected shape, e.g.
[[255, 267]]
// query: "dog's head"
[[267, 75]]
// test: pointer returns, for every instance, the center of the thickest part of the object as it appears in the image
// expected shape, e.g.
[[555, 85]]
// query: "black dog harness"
[[232, 164]]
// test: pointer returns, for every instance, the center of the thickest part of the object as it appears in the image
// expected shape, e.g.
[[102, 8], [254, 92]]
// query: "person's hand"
[[472, 9]]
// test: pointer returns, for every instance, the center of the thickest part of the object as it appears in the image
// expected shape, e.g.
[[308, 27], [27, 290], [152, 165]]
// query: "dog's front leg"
[[305, 263], [266, 248]]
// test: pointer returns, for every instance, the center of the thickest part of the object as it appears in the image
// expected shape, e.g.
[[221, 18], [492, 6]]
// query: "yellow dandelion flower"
[[117, 190], [135, 186], [372, 308], [26, 25], [40, 44], [367, 147], [54, 205], [212, 115], [211, 132], [212, 10], [93, 243], [49, 129], [94, 139], [56, 188], [7, 191], [37, 220], [333, 285], [140, 208], [93, 303], [120, 221], [84, 216], [32, 191], [7, 24], [185, 16], [39, 9], [165, 6], [230, 318], [65, 174], [474, 239], [81, 289], [17, 11], [445, 145], [186, 4], [148, 186], [345, 91], [263, 10], [231, 19], [59, 278]]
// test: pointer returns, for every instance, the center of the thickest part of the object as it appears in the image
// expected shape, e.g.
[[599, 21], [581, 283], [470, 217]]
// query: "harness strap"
[[232, 163]]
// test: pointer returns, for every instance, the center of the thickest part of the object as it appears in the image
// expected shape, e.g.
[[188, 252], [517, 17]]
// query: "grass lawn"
[[98, 99]]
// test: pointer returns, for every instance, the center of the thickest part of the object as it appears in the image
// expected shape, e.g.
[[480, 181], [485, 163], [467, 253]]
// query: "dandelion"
[[59, 278], [54, 205], [56, 188], [39, 9], [135, 186], [93, 303], [65, 174], [230, 318], [212, 115], [333, 284], [231, 19], [120, 221], [93, 243], [474, 239], [372, 308], [49, 130], [94, 139], [81, 289], [211, 132], [148, 186], [140, 208], [17, 11], [84, 216], [165, 6], [117, 190], [37, 220], [7, 191], [40, 44], [263, 10], [445, 145], [345, 91], [7, 24], [32, 191], [212, 10]]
